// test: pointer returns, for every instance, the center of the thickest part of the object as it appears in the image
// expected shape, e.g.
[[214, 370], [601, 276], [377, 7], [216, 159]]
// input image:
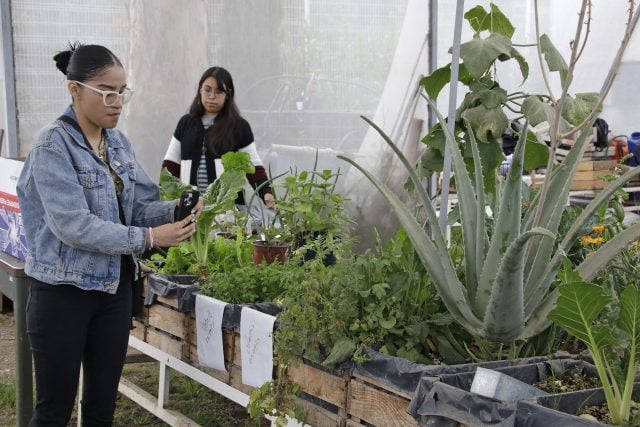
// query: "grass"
[[187, 396]]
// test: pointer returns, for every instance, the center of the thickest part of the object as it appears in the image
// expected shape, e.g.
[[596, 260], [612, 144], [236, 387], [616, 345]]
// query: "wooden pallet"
[[588, 175], [377, 404], [328, 387]]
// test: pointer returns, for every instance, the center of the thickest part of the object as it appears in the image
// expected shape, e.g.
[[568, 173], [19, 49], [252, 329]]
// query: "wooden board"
[[377, 406], [320, 417], [596, 165], [169, 320], [164, 342], [321, 384]]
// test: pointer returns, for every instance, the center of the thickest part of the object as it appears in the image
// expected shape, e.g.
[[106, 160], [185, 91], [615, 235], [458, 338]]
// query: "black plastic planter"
[[559, 409], [448, 396]]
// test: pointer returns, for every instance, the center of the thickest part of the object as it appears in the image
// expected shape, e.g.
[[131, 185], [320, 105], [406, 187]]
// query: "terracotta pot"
[[262, 250]]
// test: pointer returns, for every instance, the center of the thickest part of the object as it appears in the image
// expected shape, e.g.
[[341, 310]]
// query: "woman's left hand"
[[269, 201]]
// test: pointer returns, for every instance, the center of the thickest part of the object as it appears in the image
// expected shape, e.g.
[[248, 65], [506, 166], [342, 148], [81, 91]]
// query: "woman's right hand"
[[172, 234]]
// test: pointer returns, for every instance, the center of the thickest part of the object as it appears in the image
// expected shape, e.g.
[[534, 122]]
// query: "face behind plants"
[[212, 95], [88, 104]]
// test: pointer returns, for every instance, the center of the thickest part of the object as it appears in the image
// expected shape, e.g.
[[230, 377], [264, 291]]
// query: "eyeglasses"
[[110, 97], [207, 92]]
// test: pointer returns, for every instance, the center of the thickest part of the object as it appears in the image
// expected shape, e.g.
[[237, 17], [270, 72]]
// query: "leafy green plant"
[[171, 187], [504, 293], [613, 340], [310, 207], [219, 198], [276, 398], [249, 283]]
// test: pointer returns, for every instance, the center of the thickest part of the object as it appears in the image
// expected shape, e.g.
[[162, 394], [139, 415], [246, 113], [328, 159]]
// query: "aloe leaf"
[[423, 197], [551, 208], [437, 263], [473, 266], [596, 261], [504, 317], [507, 223], [467, 202], [590, 210]]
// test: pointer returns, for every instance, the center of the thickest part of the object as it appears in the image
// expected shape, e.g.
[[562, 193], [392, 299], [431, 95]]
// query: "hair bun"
[[62, 58]]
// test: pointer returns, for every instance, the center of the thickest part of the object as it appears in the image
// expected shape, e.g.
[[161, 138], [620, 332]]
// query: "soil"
[[568, 382], [7, 346]]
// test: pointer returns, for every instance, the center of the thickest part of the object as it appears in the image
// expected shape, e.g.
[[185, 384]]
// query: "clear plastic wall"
[[304, 70]]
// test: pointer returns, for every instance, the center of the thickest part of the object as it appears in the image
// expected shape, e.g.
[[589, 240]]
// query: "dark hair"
[[84, 62], [220, 136]]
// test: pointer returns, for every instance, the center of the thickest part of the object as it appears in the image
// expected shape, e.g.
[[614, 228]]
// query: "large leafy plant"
[[487, 104], [613, 341], [219, 198], [504, 293]]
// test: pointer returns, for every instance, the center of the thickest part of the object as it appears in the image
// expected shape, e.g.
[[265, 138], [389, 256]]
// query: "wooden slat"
[[164, 342], [378, 407], [235, 380], [319, 417], [167, 320], [321, 384]]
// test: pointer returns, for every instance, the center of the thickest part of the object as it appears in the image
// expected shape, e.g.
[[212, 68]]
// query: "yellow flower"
[[597, 229], [588, 240]]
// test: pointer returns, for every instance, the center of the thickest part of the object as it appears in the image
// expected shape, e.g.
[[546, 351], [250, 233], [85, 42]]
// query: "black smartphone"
[[188, 201]]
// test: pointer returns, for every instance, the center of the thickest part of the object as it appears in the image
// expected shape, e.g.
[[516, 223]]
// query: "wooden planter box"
[[377, 404]]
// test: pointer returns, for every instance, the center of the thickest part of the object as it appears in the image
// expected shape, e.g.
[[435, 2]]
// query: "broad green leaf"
[[536, 110], [504, 318], [567, 273], [479, 54], [575, 111], [435, 138], [437, 80], [494, 21], [342, 350], [554, 60], [388, 323], [492, 98], [535, 154], [488, 123], [431, 161], [522, 63], [577, 307], [629, 320], [171, 187], [434, 82]]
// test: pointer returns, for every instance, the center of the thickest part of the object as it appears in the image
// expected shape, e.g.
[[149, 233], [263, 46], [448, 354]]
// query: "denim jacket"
[[70, 210]]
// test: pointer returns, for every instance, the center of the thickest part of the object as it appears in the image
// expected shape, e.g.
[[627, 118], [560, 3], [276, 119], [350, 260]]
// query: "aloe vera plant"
[[614, 346], [509, 269]]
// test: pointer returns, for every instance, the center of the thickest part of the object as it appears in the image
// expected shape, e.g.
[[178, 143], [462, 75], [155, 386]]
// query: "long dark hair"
[[84, 62], [220, 137]]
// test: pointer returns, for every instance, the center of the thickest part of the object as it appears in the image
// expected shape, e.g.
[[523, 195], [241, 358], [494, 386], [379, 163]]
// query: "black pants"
[[66, 326]]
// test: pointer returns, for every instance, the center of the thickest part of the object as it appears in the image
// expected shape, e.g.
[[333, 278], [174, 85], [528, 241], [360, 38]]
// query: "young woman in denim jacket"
[[212, 128], [88, 208]]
